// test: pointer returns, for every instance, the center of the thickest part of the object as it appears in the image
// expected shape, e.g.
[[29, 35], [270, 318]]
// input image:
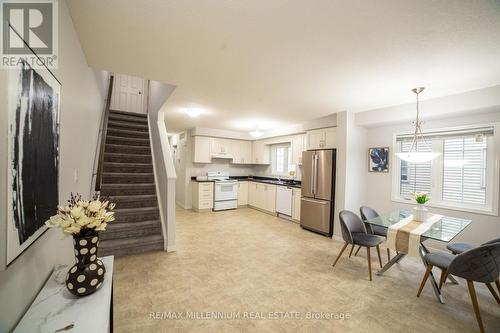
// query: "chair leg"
[[388, 255], [378, 254], [424, 279], [497, 282], [352, 248], [369, 262], [356, 253], [493, 292], [444, 275], [473, 298], [340, 254]]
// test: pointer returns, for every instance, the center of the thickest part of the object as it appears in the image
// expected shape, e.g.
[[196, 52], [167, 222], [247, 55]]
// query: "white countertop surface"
[[55, 307]]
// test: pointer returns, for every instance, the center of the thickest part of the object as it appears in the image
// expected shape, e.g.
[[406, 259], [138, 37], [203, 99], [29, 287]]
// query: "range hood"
[[227, 156]]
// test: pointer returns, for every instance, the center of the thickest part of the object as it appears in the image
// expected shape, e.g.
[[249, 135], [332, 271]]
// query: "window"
[[281, 159], [464, 177]]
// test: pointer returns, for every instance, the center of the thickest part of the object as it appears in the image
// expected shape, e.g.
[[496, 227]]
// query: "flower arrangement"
[[83, 218], [421, 197]]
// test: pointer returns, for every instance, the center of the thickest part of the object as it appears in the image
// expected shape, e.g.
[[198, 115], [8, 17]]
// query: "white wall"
[[351, 167], [378, 185], [81, 106]]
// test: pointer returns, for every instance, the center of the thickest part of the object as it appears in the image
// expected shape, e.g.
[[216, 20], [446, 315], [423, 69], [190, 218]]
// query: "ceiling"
[[275, 63]]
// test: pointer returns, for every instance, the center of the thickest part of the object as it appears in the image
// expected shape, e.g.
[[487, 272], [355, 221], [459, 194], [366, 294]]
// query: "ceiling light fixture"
[[256, 133], [413, 155], [193, 112]]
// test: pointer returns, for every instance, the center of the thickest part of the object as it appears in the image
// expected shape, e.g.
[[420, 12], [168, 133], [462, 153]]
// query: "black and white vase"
[[87, 274]]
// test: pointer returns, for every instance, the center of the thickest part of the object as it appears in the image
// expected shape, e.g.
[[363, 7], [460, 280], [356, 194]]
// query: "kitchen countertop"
[[258, 179]]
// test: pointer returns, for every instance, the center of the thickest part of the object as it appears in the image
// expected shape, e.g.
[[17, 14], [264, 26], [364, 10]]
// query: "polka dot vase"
[[87, 274]]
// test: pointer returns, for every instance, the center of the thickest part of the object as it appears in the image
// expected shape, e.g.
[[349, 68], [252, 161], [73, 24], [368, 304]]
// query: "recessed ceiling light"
[[193, 112], [256, 133]]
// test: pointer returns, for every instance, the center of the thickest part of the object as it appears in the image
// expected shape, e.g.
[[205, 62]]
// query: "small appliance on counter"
[[225, 190]]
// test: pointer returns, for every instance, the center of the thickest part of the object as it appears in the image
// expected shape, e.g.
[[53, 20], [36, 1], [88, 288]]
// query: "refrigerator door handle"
[[321, 202], [313, 167], [315, 174]]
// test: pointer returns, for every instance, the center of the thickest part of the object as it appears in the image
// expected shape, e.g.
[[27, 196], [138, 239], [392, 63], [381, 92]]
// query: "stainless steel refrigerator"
[[318, 191]]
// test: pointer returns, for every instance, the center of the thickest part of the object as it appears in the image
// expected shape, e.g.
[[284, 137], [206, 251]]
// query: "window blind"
[[415, 177], [464, 170]]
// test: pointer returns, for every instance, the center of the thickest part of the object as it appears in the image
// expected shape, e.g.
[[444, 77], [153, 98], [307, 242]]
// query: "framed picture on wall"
[[378, 159], [33, 111]]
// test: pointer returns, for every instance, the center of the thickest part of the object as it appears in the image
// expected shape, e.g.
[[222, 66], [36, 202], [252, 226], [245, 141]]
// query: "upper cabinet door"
[[201, 149], [315, 139], [330, 137], [297, 149], [323, 138]]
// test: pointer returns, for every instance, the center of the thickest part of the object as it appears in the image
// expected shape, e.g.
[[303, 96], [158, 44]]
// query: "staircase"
[[128, 181]]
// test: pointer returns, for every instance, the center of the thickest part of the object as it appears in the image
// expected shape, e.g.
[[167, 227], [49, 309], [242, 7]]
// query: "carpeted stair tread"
[[126, 246], [127, 125], [127, 149], [120, 140], [128, 133], [130, 114], [128, 167]]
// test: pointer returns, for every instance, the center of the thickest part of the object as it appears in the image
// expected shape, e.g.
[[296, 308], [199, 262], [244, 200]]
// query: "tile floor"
[[248, 263]]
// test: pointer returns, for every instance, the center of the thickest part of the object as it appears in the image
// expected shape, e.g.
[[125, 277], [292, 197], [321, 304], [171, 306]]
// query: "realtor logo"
[[29, 32]]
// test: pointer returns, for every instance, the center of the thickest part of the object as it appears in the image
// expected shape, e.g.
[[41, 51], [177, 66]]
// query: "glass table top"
[[444, 230]]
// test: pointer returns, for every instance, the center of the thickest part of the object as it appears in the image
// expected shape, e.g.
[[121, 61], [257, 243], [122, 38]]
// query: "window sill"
[[474, 210]]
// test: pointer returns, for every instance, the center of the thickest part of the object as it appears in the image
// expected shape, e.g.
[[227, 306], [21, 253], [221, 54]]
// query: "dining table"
[[444, 230]]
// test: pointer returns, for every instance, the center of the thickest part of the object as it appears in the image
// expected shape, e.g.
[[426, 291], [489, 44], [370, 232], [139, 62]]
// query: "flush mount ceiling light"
[[256, 133], [413, 155], [193, 112]]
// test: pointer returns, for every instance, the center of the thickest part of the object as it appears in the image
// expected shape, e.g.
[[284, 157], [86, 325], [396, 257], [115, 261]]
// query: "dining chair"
[[480, 264], [354, 233], [457, 248], [370, 213]]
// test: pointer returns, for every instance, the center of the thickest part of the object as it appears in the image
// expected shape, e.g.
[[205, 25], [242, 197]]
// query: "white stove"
[[225, 190]]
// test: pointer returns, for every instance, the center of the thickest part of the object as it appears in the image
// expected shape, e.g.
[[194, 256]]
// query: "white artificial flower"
[[95, 206]]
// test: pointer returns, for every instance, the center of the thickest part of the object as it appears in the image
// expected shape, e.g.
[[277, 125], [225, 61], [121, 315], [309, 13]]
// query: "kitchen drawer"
[[205, 204], [205, 186], [206, 196]]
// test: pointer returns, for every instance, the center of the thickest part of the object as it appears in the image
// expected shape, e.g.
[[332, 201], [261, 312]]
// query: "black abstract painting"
[[379, 159], [34, 150]]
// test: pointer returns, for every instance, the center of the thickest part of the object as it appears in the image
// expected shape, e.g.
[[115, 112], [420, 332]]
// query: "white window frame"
[[492, 174], [274, 147]]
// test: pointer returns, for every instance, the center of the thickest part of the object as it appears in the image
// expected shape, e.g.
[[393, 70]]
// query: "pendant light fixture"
[[413, 155]]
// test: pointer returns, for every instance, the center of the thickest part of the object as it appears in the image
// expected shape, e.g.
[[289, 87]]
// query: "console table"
[[55, 309]]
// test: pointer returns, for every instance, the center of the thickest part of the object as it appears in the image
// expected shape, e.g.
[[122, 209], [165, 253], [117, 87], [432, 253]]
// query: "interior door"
[[308, 167], [324, 174], [128, 94]]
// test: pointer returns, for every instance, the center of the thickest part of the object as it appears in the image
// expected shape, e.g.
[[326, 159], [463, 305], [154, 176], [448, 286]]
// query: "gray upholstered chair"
[[457, 248], [354, 232], [370, 213], [480, 264]]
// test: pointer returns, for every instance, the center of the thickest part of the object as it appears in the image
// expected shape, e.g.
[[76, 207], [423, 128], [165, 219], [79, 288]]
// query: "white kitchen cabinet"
[[323, 138], [203, 196], [201, 149], [261, 153], [242, 193], [296, 204], [242, 152], [220, 146], [270, 195], [298, 146], [262, 196], [252, 194]]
